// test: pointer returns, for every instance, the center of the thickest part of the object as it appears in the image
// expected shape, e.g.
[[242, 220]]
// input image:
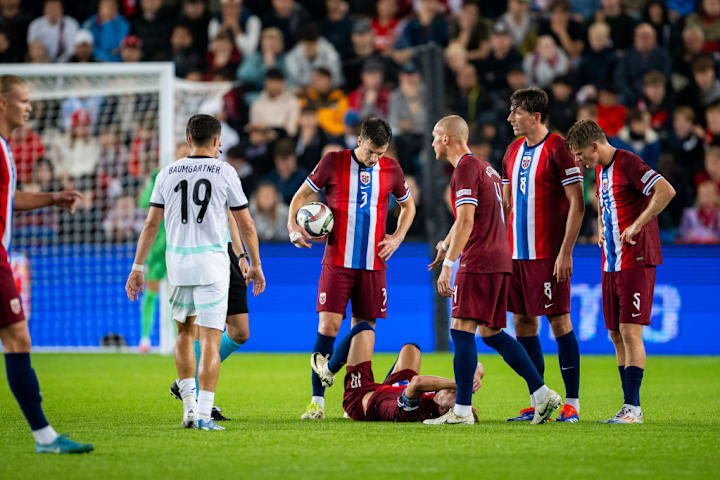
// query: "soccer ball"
[[316, 218]]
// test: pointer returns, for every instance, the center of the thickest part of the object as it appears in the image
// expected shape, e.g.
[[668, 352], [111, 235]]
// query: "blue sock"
[[621, 369], [339, 357], [324, 345], [198, 353], [464, 364], [24, 385], [515, 355], [534, 350], [569, 357], [227, 346], [633, 381]]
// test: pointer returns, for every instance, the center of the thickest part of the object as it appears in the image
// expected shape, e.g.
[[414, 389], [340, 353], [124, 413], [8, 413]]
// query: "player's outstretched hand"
[[135, 283], [298, 236], [563, 267], [443, 282], [629, 234], [439, 256], [256, 276], [477, 379], [67, 199], [388, 245]]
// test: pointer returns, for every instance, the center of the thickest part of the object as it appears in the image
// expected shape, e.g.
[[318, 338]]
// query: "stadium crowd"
[[306, 73]]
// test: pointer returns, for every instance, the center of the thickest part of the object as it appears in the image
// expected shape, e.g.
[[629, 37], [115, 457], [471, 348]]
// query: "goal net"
[[103, 130]]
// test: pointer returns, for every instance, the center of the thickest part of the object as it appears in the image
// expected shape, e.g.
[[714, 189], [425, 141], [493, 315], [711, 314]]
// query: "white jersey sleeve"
[[156, 197], [237, 200]]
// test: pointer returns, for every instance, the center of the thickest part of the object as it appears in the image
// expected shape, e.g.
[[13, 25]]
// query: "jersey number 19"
[[201, 202]]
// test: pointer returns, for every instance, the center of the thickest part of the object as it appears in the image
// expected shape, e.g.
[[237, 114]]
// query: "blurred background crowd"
[[305, 74]]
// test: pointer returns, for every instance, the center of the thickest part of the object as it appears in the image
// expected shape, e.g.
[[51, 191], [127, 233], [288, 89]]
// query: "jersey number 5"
[[201, 202]]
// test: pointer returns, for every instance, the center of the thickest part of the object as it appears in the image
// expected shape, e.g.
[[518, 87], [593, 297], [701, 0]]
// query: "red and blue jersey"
[[359, 197], [623, 190], [8, 184], [537, 176]]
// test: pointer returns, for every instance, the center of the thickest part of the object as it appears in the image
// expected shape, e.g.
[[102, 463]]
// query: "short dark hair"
[[309, 33], [324, 71], [584, 133], [202, 129], [532, 100], [274, 73], [284, 147], [376, 130], [634, 115], [703, 63], [236, 152]]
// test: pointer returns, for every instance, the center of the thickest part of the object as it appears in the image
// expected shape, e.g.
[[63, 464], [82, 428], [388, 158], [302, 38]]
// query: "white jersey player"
[[193, 196]]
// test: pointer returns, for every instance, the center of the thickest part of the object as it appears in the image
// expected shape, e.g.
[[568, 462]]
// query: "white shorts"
[[208, 302]]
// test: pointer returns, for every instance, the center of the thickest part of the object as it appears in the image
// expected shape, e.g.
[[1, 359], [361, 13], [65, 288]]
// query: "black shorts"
[[237, 294]]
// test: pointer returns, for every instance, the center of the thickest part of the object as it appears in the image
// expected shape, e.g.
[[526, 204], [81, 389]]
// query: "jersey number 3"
[[201, 202]]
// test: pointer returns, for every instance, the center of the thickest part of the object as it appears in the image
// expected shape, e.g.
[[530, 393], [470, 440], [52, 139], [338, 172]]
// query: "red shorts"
[[366, 289], [534, 290], [628, 296], [11, 310], [481, 297], [359, 381]]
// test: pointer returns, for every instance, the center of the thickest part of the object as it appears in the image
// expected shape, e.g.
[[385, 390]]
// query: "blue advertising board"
[[77, 297]]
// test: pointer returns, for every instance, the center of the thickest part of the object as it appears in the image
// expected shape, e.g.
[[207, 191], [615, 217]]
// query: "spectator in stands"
[[289, 16], [522, 25], [502, 57], [124, 221], [337, 26], [712, 121], [598, 63], [144, 148], [386, 25], [638, 137], [269, 213], [85, 225], [112, 167], [184, 55], [351, 129], [253, 69], [36, 53], [131, 49], [569, 34], [371, 98], [76, 152], [244, 27], [235, 156], [693, 39], [472, 101], [708, 18], [223, 54], [656, 102], [55, 31], [712, 167], [286, 176], [563, 107], [330, 103], [701, 223], [644, 57], [276, 107], [83, 48], [656, 14], [429, 25], [455, 60], [408, 117], [197, 18], [14, 23], [621, 24], [27, 148], [588, 111], [108, 29], [311, 52], [151, 25], [545, 63], [705, 88], [43, 178], [363, 42], [471, 31], [310, 139]]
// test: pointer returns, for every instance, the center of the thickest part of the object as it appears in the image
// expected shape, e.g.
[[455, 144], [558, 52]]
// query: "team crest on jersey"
[[15, 306], [526, 159], [364, 177], [605, 184], [323, 298]]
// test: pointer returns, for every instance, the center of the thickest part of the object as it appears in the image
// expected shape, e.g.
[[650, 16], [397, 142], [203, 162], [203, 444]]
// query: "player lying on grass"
[[404, 395]]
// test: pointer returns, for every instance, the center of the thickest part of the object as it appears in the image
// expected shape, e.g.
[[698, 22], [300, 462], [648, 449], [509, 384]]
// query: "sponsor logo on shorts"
[[464, 191], [322, 298], [364, 177], [570, 171], [548, 305], [636, 315], [647, 176], [15, 306]]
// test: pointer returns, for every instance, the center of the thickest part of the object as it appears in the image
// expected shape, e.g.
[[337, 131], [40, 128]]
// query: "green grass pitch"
[[122, 405]]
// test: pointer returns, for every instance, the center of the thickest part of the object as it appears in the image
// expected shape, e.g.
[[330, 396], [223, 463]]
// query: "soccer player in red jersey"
[[631, 195], [15, 109], [479, 297], [358, 184], [544, 205]]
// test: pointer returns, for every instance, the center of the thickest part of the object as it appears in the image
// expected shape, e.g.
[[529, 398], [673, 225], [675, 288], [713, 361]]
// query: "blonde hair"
[[584, 133], [9, 81]]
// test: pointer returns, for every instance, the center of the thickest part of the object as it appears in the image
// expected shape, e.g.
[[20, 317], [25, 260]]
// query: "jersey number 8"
[[201, 202]]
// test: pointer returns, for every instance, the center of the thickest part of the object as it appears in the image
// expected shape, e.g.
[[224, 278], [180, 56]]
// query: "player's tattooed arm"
[[136, 281], [662, 193]]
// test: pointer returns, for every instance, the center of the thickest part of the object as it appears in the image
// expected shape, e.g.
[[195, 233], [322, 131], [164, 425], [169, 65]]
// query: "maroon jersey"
[[359, 198], [475, 182], [383, 406], [623, 190]]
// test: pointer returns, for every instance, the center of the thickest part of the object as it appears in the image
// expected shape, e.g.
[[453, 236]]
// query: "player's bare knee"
[[411, 349], [560, 324], [328, 328], [525, 326]]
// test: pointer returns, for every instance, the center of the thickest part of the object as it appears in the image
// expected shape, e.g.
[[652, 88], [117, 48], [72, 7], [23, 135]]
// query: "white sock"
[[532, 400], [462, 410], [541, 393], [45, 435], [187, 392], [205, 402], [319, 400], [573, 402], [636, 410]]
